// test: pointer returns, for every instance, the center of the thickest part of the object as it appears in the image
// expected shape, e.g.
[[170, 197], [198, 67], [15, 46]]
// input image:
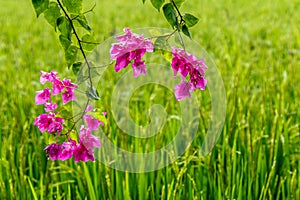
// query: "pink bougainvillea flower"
[[182, 90], [82, 154], [84, 149], [187, 64], [88, 140], [50, 77], [55, 127], [53, 151], [49, 122], [57, 87], [49, 106], [139, 67], [88, 108], [131, 47], [43, 96], [92, 122], [68, 95], [197, 79], [43, 121], [68, 149], [104, 113], [122, 61], [68, 84]]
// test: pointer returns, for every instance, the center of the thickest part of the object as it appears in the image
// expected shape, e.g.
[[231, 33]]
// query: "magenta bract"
[[131, 47]]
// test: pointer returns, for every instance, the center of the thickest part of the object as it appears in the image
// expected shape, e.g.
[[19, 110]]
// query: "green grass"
[[256, 46]]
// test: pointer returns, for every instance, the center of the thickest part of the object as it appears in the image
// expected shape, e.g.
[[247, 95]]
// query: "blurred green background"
[[256, 46]]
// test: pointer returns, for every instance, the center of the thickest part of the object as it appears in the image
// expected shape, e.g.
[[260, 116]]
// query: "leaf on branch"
[[73, 6], [179, 2], [92, 93], [64, 41], [64, 27], [76, 67], [88, 42], [40, 6], [186, 31], [71, 55], [52, 14], [157, 4], [73, 135], [190, 20], [170, 14], [83, 22], [161, 46], [65, 111]]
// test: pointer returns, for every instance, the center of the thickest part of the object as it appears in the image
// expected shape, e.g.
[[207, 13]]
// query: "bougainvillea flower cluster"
[[50, 122], [58, 86], [82, 151], [189, 67], [131, 48]]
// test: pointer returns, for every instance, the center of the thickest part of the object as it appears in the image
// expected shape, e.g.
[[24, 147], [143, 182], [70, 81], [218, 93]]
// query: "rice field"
[[256, 47]]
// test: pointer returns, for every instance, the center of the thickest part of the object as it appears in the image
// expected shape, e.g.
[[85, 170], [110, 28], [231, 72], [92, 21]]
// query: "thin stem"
[[181, 41], [102, 66], [90, 10], [81, 116], [167, 35], [85, 59], [78, 40], [177, 9], [86, 42], [171, 35]]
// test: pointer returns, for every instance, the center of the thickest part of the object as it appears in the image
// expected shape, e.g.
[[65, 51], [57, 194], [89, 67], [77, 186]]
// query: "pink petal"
[[182, 90], [92, 122], [43, 96]]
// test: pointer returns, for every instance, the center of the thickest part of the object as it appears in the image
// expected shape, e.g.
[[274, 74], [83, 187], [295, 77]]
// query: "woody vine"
[[66, 17]]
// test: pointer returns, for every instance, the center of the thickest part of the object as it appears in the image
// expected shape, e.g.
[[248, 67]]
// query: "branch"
[[78, 40], [177, 9], [85, 12]]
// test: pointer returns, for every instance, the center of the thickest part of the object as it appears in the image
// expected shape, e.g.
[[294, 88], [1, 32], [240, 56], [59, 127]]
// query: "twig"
[[86, 42], [85, 59], [78, 40], [177, 9], [90, 10]]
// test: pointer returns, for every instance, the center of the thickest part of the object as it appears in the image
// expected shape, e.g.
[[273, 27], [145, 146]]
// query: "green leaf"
[[179, 2], [64, 27], [64, 41], [190, 20], [83, 22], [170, 14], [71, 55], [40, 6], [88, 42], [157, 4], [92, 93], [144, 1], [51, 139], [52, 14], [167, 55], [73, 135], [160, 44], [76, 67], [186, 31], [73, 6]]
